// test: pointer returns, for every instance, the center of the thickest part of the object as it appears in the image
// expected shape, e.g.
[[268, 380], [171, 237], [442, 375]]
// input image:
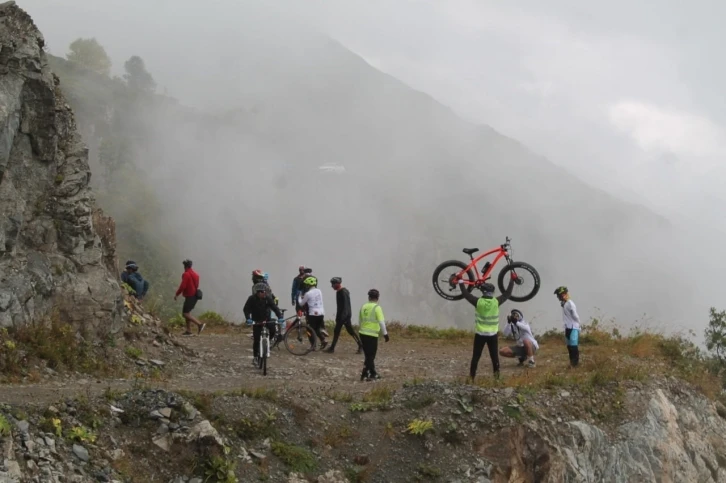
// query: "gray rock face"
[[679, 438], [53, 261]]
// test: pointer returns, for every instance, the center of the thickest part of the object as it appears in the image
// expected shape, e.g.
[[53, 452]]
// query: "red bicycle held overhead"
[[447, 275]]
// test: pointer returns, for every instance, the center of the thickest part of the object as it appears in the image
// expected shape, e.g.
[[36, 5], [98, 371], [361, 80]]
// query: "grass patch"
[[4, 426], [400, 330], [134, 352], [378, 395], [256, 393], [338, 435], [419, 427], [256, 428], [213, 319], [61, 346], [295, 457], [340, 396]]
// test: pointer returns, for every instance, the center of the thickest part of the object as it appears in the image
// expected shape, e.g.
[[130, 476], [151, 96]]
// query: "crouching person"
[[527, 345]]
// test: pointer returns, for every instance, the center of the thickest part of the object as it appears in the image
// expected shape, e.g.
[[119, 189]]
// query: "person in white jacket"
[[527, 345], [313, 297]]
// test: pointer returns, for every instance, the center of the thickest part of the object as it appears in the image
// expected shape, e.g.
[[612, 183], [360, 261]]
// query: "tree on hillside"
[[137, 77], [91, 54], [716, 334]]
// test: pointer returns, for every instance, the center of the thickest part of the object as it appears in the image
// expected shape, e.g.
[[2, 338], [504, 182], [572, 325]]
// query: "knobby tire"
[[519, 267], [445, 291]]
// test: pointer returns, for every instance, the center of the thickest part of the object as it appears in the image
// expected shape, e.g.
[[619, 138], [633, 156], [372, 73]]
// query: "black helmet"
[[259, 287], [187, 263], [519, 312], [336, 280], [374, 294], [308, 270], [487, 288]]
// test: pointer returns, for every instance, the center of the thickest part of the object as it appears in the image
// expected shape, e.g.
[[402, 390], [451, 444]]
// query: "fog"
[[612, 98]]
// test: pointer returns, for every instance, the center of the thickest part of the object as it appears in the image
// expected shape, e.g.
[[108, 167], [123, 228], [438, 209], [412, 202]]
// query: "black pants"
[[370, 348], [479, 342], [317, 323], [339, 324], [572, 350], [257, 334]]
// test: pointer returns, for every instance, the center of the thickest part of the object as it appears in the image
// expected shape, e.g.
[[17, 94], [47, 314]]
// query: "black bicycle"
[[299, 338]]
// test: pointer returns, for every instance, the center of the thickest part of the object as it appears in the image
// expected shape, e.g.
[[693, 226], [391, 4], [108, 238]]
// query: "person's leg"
[[366, 343], [256, 335], [492, 342], [189, 304], [528, 350], [272, 329], [476, 355], [573, 341], [567, 342], [507, 352], [351, 331], [336, 334], [372, 364]]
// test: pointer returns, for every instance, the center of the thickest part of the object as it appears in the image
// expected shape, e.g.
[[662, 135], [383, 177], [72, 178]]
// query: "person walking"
[[372, 323], [343, 314], [571, 322], [487, 323], [189, 289]]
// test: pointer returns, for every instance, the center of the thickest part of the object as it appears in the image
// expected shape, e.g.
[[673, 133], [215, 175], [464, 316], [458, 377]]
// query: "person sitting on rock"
[[526, 346], [133, 279]]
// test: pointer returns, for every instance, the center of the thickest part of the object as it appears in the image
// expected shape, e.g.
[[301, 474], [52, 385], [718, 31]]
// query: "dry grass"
[[606, 356]]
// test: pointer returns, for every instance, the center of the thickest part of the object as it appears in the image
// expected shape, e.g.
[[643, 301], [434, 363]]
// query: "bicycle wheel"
[[527, 284], [300, 339], [443, 276], [265, 346]]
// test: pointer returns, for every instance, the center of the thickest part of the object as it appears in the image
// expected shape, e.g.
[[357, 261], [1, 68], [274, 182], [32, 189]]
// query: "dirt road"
[[225, 363]]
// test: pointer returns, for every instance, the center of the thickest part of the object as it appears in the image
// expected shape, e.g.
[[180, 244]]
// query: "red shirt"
[[189, 283]]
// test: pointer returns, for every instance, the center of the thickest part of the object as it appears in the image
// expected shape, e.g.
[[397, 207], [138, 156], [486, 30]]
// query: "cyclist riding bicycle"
[[257, 310], [313, 298]]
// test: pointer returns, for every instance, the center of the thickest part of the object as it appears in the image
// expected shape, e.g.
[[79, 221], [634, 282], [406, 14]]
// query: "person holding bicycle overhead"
[[487, 322], [313, 298], [257, 310]]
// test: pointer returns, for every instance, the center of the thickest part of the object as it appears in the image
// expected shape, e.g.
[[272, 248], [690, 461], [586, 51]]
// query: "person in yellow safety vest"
[[487, 323], [371, 322]]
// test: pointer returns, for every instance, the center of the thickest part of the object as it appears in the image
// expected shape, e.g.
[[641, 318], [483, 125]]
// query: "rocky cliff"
[[56, 248]]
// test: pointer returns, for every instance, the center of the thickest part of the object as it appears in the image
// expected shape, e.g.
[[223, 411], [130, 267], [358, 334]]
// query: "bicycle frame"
[[481, 277]]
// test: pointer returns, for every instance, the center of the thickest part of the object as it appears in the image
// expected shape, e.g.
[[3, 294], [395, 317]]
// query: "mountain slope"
[[420, 184]]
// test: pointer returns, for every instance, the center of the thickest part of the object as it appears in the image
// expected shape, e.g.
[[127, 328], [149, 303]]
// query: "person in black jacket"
[[343, 314], [257, 309]]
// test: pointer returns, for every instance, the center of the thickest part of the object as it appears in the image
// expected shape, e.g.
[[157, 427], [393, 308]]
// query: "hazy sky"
[[625, 94]]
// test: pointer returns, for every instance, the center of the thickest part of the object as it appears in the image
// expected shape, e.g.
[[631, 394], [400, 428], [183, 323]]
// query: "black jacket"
[[342, 301], [258, 309]]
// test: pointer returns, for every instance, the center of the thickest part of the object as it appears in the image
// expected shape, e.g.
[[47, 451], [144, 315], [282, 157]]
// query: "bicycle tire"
[[263, 356], [527, 268], [444, 292], [293, 340]]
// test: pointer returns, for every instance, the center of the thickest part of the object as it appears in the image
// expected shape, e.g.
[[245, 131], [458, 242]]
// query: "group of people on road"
[[307, 299], [487, 328]]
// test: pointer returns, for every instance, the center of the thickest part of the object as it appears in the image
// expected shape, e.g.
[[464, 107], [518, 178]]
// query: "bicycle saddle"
[[469, 251]]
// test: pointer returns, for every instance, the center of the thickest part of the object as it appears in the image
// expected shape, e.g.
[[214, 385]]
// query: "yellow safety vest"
[[370, 315], [487, 315]]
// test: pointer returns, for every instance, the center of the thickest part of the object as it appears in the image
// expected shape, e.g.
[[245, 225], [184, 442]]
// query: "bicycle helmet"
[[260, 287], [487, 288], [187, 263], [310, 281], [257, 276], [560, 290], [374, 294], [336, 280], [308, 270]]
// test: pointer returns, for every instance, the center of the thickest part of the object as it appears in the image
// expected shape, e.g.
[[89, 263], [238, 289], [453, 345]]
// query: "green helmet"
[[560, 290], [310, 281]]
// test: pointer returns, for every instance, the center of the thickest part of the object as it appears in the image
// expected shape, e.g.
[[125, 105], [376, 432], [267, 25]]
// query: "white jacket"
[[521, 331]]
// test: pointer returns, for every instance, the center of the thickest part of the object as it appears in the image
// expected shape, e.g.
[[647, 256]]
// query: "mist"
[[614, 211]]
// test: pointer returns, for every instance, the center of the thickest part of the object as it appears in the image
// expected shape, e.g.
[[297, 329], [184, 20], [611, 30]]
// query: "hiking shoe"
[[531, 364], [186, 334], [521, 363], [323, 345], [364, 376], [329, 350], [255, 361], [374, 377], [201, 328]]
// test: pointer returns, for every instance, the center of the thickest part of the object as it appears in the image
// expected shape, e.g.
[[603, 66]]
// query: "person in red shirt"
[[188, 289]]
